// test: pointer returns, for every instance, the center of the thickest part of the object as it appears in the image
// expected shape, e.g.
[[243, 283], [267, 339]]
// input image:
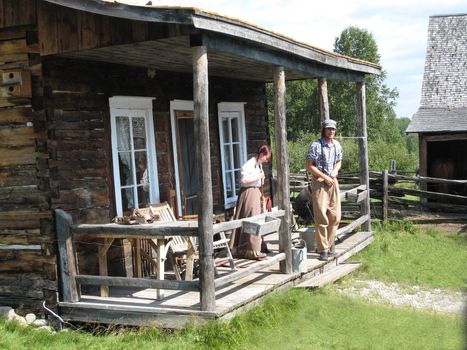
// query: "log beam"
[[363, 151], [282, 163], [205, 225], [323, 99]]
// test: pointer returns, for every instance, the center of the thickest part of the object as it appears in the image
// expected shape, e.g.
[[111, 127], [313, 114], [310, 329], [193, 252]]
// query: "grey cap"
[[329, 123]]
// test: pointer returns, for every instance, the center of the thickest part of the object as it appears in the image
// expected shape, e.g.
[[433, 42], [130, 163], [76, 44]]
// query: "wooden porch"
[[140, 306]]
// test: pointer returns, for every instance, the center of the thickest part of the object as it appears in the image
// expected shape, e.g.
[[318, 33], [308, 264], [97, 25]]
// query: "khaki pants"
[[327, 212]]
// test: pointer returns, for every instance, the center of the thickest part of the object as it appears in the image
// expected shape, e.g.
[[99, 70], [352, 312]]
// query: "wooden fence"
[[402, 195]]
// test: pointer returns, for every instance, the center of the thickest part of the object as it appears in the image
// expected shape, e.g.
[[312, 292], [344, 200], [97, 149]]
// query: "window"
[[133, 153], [233, 147]]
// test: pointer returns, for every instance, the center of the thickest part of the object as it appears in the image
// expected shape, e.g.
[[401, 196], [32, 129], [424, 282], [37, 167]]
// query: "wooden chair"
[[183, 251], [220, 245]]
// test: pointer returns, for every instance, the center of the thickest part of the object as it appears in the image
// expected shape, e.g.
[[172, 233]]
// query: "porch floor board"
[[135, 306]]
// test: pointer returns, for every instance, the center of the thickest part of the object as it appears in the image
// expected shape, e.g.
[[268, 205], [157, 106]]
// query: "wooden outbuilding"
[[441, 120], [106, 107]]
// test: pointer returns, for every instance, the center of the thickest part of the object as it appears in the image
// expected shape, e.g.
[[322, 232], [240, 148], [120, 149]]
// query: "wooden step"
[[329, 276]]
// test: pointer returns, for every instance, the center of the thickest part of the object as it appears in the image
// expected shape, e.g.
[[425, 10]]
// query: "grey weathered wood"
[[261, 226], [365, 238], [103, 271], [450, 207], [425, 179], [180, 307], [329, 276], [323, 99], [385, 195], [66, 252], [352, 226], [233, 224], [144, 231], [422, 156], [429, 194], [282, 162], [357, 194], [363, 149], [298, 66], [222, 281], [201, 125], [303, 53], [136, 282]]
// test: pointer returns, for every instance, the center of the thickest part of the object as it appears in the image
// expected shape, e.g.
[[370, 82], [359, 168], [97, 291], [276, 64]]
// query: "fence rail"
[[397, 195]]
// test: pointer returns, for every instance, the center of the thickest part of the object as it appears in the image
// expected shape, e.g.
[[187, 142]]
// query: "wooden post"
[[323, 99], [282, 163], [103, 271], [385, 195], [66, 254], [423, 164], [363, 151], [203, 161]]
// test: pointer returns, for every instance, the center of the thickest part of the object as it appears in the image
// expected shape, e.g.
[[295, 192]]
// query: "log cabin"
[[97, 96], [441, 120]]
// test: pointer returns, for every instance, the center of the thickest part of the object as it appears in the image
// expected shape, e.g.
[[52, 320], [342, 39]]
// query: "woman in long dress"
[[244, 245]]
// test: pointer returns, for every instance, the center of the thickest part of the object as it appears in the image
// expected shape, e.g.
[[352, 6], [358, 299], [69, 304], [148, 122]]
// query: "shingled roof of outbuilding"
[[443, 105], [429, 120]]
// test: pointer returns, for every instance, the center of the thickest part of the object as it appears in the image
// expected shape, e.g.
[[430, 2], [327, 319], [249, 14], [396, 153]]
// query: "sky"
[[399, 27]]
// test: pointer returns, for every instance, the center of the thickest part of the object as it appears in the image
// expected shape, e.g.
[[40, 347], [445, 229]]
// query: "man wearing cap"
[[324, 162]]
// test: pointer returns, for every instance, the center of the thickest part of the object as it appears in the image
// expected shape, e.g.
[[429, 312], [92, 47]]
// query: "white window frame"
[[224, 109], [119, 104], [178, 105]]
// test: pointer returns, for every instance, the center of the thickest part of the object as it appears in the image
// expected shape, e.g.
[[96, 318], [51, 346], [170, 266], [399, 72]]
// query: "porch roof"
[[236, 49]]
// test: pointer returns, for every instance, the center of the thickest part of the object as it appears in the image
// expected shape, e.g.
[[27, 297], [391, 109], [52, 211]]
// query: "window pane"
[[228, 184], [139, 133], [235, 128], [237, 181], [123, 133], [227, 159], [225, 130], [143, 197], [126, 168], [141, 169], [236, 156], [127, 200]]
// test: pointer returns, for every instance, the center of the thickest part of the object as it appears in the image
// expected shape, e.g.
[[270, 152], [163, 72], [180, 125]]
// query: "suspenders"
[[323, 159]]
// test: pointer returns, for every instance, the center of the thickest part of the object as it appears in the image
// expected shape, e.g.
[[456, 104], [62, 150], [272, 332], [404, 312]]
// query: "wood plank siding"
[[27, 247]]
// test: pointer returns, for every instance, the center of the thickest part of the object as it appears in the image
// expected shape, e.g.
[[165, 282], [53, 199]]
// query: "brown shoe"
[[254, 255]]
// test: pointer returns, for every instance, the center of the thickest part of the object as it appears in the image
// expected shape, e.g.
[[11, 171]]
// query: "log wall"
[[76, 107], [27, 247], [55, 135]]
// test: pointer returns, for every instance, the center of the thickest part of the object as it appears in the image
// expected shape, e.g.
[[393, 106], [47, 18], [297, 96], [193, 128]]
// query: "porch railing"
[[68, 233]]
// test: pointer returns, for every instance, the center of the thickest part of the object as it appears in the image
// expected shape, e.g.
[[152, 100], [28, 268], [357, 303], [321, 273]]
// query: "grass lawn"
[[295, 319], [403, 253], [298, 319]]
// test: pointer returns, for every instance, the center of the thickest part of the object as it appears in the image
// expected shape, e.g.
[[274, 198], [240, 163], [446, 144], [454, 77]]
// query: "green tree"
[[302, 107], [380, 99]]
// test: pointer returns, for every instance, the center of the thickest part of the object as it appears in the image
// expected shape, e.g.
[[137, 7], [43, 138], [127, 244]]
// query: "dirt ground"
[[460, 228]]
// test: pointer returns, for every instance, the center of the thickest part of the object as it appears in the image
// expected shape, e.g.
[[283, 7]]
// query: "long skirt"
[[248, 204]]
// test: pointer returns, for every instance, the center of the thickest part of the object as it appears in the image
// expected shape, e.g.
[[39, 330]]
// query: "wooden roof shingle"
[[443, 104], [428, 120]]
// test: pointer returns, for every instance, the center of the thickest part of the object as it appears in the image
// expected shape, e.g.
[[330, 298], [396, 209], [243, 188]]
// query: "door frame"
[[178, 105]]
